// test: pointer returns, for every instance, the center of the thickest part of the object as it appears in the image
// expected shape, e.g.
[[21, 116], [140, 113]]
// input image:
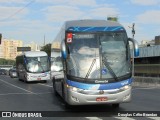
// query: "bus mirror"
[[64, 50], [135, 46]]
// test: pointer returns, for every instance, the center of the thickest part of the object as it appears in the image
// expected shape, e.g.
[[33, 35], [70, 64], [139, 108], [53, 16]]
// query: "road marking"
[[145, 88], [43, 93], [24, 93], [124, 118], [45, 85], [17, 86], [93, 118], [154, 118], [14, 94]]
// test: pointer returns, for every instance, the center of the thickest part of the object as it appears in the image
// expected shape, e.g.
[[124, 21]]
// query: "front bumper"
[[76, 98]]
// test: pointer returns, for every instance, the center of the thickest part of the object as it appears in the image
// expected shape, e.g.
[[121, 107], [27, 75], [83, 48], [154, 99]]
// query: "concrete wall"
[[146, 81]]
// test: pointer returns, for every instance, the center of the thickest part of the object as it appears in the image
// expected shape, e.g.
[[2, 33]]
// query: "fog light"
[[75, 99], [126, 97]]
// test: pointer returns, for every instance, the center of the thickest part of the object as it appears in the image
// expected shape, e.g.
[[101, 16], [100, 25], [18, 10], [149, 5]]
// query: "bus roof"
[[34, 53], [90, 23], [85, 26]]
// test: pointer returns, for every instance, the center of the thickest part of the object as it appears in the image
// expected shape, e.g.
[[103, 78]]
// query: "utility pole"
[[133, 33], [44, 40], [133, 30]]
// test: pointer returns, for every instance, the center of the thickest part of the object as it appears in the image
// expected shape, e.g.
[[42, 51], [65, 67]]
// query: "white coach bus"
[[91, 63], [33, 66]]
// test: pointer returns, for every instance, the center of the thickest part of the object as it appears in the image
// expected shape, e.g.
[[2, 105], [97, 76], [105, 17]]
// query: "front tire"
[[115, 105], [54, 88], [44, 81], [67, 106]]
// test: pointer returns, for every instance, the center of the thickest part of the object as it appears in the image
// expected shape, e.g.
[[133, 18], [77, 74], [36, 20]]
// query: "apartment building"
[[8, 48]]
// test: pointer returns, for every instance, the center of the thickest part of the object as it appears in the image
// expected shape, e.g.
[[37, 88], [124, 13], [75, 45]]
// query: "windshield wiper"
[[90, 68], [109, 68]]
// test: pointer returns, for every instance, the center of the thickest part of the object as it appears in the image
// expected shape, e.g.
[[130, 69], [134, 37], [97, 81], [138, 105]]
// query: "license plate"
[[38, 78], [99, 99]]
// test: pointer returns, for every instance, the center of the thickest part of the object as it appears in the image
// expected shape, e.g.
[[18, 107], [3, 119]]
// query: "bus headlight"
[[75, 89], [125, 87]]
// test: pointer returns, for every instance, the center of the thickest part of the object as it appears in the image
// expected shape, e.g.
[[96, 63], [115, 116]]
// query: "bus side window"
[[57, 64], [20, 67]]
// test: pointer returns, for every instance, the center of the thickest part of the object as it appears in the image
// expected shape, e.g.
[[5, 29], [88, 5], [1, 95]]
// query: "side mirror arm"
[[135, 46], [64, 50]]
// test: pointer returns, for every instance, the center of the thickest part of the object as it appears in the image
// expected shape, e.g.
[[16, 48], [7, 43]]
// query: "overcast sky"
[[30, 20]]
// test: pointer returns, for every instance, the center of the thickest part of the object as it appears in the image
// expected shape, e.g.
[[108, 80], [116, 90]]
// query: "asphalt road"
[[16, 95]]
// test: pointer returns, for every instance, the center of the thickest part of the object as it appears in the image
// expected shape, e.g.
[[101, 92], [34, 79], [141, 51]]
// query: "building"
[[34, 46], [157, 40], [1, 52], [8, 48], [145, 43]]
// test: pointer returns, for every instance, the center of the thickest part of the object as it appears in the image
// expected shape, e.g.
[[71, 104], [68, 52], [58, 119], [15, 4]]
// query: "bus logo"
[[104, 71], [101, 92]]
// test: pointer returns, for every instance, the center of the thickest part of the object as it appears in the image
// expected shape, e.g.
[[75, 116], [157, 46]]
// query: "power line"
[[18, 11]]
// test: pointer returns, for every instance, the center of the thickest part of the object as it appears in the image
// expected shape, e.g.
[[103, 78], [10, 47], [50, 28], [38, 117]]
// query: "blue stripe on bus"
[[95, 29], [116, 28], [105, 29], [136, 52], [108, 86], [89, 28]]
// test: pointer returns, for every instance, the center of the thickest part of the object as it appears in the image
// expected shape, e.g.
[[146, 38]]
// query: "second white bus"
[[33, 66]]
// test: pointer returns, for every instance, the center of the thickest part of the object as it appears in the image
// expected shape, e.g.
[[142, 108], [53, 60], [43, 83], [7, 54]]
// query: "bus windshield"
[[98, 56], [37, 64]]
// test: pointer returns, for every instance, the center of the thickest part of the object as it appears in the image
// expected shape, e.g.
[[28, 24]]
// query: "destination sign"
[[82, 36]]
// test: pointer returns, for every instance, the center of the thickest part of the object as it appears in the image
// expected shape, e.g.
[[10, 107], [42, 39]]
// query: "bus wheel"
[[63, 92], [115, 105], [54, 88], [67, 106], [44, 81], [25, 81]]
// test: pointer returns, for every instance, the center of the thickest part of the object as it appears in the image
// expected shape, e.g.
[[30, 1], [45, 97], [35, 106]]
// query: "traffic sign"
[[21, 49]]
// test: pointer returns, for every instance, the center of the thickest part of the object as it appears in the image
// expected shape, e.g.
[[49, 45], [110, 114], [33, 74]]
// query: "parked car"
[[13, 73], [3, 72]]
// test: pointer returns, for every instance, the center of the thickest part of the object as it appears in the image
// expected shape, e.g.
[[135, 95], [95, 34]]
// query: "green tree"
[[47, 49], [6, 62]]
